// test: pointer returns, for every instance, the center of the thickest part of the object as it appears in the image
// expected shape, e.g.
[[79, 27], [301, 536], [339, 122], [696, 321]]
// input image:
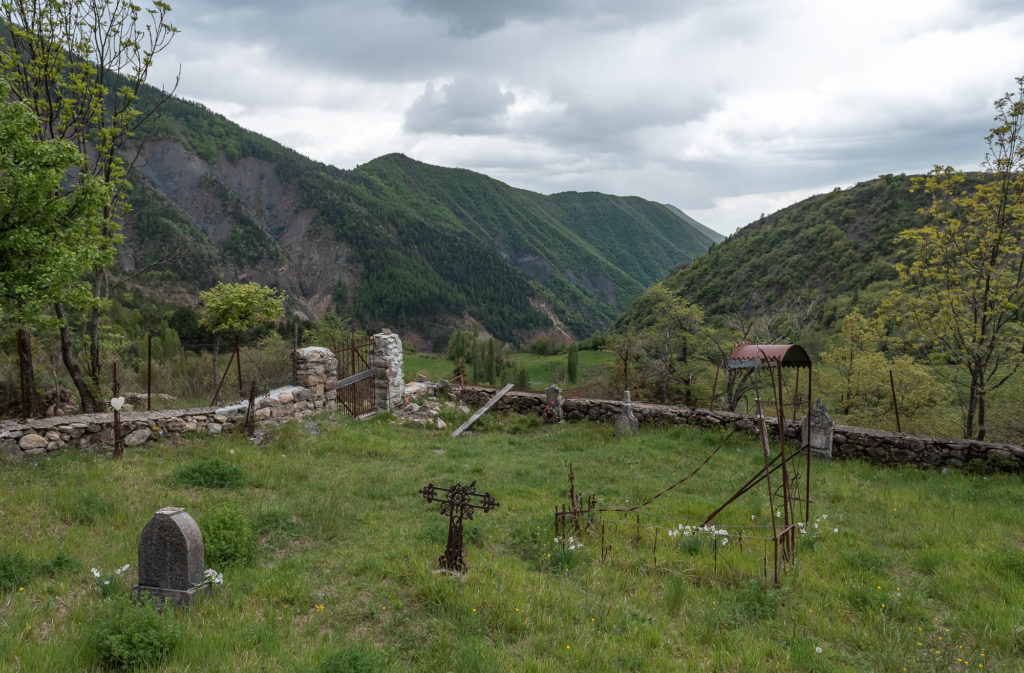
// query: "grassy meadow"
[[906, 569], [542, 370]]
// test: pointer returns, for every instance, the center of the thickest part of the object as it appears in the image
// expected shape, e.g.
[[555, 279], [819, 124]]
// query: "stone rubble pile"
[[422, 407]]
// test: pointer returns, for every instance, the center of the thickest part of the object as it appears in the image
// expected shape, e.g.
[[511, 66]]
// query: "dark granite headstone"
[[817, 431], [171, 563]]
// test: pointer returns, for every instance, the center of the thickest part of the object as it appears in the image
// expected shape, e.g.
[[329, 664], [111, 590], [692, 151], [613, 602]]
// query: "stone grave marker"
[[626, 424], [817, 430], [171, 562], [553, 405]]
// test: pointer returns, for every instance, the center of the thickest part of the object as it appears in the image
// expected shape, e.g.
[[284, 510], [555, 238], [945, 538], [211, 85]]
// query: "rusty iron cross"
[[458, 503]]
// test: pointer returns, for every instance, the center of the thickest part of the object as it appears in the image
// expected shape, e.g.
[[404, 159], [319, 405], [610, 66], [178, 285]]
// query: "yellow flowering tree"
[[962, 275]]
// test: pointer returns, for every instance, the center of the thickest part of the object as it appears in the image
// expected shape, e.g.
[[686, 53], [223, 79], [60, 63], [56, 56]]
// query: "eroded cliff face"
[[289, 247]]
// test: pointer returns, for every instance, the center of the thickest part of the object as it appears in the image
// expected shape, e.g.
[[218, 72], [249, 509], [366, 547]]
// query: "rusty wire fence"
[[179, 380]]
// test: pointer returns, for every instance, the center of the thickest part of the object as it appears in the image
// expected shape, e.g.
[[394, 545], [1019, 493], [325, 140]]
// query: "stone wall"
[[878, 446], [316, 369], [386, 361]]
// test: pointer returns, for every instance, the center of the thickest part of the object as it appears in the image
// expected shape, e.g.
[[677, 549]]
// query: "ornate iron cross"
[[458, 502]]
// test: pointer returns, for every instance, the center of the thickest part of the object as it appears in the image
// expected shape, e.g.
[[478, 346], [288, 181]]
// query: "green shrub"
[[127, 636], [353, 659], [15, 571], [227, 537], [212, 473], [61, 563]]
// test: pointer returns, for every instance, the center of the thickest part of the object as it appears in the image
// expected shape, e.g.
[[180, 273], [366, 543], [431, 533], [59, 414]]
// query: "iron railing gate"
[[355, 378]]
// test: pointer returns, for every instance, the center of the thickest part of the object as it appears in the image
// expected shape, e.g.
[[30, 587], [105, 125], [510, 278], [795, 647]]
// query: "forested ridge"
[[828, 253], [424, 247]]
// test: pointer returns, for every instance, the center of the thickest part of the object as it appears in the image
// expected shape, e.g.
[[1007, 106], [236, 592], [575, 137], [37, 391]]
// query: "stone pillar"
[[553, 404], [171, 563], [817, 429], [317, 371], [626, 424], [386, 361]]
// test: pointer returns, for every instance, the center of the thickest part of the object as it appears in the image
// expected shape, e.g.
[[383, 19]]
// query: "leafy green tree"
[[49, 225], [573, 363], [460, 346], [629, 349], [962, 274], [491, 370], [676, 324], [234, 308], [854, 377], [330, 331], [79, 65]]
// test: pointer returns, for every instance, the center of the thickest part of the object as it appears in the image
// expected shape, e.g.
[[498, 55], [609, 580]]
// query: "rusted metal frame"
[[678, 483], [216, 393], [238, 362], [896, 408], [458, 504], [787, 505], [714, 387], [807, 485], [250, 411], [352, 368], [762, 431]]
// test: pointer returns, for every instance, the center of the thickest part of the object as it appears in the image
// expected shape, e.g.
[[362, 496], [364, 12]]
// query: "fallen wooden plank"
[[482, 410], [353, 379]]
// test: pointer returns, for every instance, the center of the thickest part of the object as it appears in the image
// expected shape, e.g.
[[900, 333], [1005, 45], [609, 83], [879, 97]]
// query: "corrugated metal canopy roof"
[[747, 355]]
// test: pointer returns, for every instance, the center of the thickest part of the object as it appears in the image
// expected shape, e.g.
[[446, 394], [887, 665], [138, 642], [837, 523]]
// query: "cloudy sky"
[[724, 108]]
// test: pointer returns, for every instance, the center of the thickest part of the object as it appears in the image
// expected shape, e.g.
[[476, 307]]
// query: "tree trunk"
[[981, 418], [972, 405], [216, 369], [90, 402], [28, 374], [92, 329]]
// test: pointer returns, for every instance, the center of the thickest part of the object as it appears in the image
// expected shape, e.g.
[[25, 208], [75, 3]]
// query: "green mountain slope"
[[817, 250], [707, 231], [393, 242]]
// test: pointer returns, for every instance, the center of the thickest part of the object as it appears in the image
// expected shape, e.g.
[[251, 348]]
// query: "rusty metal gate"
[[355, 378]]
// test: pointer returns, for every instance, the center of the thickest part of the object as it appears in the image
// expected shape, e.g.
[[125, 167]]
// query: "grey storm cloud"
[[681, 101], [469, 105]]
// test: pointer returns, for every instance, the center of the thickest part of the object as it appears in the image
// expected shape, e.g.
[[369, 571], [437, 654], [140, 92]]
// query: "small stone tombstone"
[[817, 429], [171, 563], [553, 405], [626, 424]]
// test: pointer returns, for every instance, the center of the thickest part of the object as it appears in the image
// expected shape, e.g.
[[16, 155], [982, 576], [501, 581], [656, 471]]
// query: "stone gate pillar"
[[386, 360], [317, 370]]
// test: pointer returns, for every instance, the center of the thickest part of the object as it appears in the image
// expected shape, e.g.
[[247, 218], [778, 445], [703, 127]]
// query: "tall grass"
[[925, 570]]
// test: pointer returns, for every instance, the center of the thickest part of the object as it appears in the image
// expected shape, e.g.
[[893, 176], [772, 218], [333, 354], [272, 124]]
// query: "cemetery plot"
[[632, 528]]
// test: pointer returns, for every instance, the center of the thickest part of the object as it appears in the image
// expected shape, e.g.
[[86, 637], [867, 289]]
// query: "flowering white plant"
[[107, 582]]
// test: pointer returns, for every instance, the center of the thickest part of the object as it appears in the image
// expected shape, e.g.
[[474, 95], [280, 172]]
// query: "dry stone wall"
[[877, 446], [316, 370]]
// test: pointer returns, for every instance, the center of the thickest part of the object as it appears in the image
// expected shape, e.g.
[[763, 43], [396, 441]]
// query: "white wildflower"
[[835, 530], [818, 650], [95, 573], [122, 568]]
